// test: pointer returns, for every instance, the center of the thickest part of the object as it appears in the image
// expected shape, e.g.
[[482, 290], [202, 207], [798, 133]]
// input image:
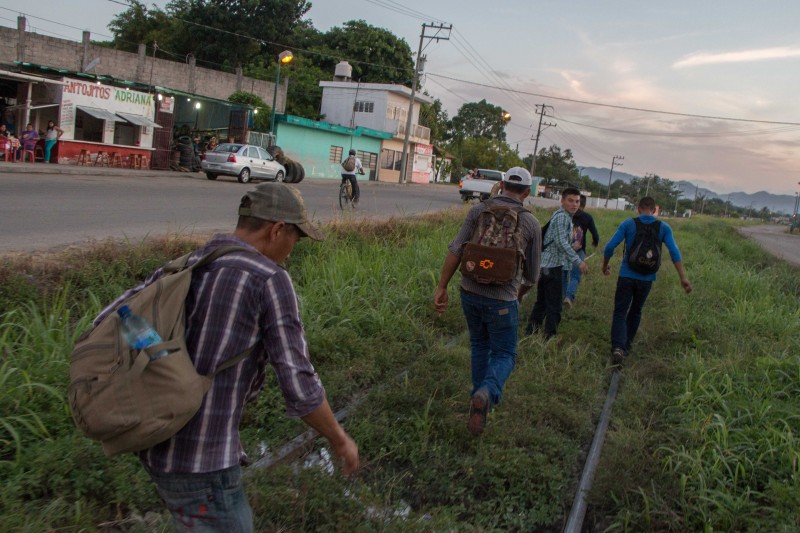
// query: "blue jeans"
[[493, 339], [205, 503], [629, 300], [549, 296], [572, 278]]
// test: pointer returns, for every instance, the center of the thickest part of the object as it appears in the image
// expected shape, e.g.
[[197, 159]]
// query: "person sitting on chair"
[[28, 139]]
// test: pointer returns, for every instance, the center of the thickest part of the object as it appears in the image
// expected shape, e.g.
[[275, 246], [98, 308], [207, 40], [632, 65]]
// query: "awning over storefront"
[[19, 76], [101, 114], [139, 120]]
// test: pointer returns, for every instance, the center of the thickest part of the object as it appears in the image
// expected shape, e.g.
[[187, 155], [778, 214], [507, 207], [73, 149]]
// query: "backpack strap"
[[176, 265], [233, 361], [179, 264]]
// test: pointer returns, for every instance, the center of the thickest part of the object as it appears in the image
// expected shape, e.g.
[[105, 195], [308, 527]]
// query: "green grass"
[[704, 433]]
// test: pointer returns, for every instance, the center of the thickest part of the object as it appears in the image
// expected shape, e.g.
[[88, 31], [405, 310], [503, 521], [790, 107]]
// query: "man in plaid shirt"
[[240, 300], [557, 256]]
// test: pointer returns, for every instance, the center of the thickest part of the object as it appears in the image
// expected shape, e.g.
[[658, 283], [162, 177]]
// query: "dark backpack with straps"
[[120, 397], [644, 255], [494, 254]]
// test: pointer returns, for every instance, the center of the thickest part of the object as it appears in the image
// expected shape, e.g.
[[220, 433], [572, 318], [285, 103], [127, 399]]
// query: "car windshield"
[[494, 175], [228, 147]]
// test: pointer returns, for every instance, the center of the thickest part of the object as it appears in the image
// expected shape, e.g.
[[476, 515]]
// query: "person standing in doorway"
[[350, 167], [633, 287], [51, 137], [582, 222], [492, 310], [557, 255]]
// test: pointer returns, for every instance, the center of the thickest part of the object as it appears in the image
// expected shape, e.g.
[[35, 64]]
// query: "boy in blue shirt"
[[633, 287]]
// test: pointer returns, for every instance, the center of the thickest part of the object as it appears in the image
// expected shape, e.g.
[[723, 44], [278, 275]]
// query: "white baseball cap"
[[518, 175]]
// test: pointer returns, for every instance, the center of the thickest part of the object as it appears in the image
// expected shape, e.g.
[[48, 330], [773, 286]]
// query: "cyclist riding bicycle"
[[350, 166]]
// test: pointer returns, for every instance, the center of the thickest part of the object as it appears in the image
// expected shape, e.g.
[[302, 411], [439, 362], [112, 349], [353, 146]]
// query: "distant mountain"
[[774, 202]]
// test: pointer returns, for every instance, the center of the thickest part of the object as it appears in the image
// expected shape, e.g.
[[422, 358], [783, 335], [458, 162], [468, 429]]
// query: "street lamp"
[[505, 116], [196, 114], [285, 58]]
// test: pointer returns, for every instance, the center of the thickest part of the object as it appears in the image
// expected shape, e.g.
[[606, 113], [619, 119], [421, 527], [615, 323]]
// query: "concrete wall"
[[17, 45]]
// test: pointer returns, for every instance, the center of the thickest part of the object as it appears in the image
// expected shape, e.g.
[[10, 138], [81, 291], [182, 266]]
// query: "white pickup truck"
[[480, 187]]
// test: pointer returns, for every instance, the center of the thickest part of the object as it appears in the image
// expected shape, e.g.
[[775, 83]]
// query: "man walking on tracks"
[[557, 256], [240, 300], [582, 223], [498, 250], [643, 236]]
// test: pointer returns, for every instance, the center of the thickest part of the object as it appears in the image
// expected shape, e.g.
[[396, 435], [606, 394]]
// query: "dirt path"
[[775, 240]]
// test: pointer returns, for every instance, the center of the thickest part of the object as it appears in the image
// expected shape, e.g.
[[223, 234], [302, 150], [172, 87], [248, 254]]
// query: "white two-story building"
[[382, 107]]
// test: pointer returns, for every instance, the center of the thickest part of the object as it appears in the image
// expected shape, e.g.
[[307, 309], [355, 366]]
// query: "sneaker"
[[618, 356], [568, 302], [478, 409]]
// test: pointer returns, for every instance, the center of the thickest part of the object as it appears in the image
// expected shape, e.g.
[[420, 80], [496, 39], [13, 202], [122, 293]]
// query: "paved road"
[[775, 240], [50, 207], [50, 210]]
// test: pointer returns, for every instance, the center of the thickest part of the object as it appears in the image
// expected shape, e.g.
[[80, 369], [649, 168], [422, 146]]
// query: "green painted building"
[[321, 147]]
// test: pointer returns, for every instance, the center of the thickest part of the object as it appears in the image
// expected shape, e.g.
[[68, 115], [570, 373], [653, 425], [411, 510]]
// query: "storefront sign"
[[109, 98], [425, 149], [167, 105]]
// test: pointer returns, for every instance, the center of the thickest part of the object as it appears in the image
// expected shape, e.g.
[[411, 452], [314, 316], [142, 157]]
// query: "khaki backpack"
[[120, 397], [349, 164], [494, 253]]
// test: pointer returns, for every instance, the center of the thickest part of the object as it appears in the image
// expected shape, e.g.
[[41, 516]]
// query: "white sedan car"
[[244, 161]]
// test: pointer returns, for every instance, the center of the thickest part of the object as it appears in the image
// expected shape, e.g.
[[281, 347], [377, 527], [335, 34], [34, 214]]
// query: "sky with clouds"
[[704, 91]]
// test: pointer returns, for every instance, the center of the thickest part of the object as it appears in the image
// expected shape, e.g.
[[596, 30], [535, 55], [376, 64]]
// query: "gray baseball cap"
[[280, 202]]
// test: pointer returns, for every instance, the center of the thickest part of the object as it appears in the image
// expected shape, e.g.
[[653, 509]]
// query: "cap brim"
[[310, 230]]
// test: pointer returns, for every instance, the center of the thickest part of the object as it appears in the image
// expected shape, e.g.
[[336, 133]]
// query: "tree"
[[479, 119], [435, 118], [220, 32], [557, 166], [264, 114], [376, 54], [479, 152], [304, 93]]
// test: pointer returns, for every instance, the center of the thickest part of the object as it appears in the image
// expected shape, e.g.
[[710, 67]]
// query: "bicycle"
[[345, 195]]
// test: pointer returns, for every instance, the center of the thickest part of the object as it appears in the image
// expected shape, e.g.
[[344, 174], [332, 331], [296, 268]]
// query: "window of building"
[[364, 107], [126, 134], [391, 159], [394, 112], [369, 160], [336, 154], [87, 127]]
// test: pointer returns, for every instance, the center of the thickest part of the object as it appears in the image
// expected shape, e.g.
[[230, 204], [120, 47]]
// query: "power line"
[[61, 24], [781, 129], [627, 108]]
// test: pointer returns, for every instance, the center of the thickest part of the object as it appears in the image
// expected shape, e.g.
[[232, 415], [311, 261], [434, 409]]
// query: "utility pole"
[[542, 110], [726, 206], [418, 65], [647, 187], [610, 172], [677, 196]]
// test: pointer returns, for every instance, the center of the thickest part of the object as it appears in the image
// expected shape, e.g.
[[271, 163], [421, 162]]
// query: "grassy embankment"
[[704, 432]]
